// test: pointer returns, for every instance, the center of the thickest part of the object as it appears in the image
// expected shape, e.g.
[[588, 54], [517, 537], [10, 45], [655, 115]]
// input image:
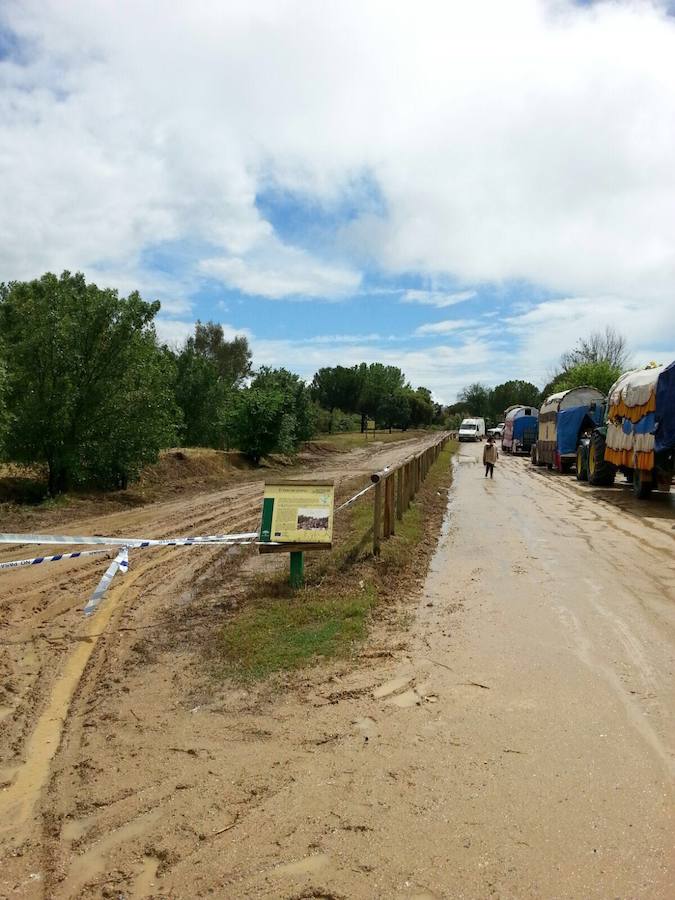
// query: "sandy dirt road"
[[518, 741], [51, 660]]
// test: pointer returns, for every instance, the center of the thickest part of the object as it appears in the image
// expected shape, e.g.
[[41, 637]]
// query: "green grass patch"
[[349, 440], [285, 633]]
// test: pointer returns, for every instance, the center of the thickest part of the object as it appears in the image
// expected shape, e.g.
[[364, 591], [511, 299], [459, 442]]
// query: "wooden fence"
[[396, 487]]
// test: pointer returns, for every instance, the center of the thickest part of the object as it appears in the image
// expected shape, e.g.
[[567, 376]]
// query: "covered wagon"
[[563, 418]]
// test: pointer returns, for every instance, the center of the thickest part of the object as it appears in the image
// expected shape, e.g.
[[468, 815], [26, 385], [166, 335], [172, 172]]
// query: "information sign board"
[[298, 512]]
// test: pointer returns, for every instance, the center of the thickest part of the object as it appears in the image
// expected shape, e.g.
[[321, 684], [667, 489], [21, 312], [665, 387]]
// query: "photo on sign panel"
[[312, 519]]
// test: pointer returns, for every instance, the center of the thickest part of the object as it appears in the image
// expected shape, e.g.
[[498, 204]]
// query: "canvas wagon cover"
[[665, 410], [569, 424], [631, 419]]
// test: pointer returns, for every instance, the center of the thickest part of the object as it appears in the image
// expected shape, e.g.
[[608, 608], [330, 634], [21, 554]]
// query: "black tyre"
[[641, 488], [582, 463], [600, 472]]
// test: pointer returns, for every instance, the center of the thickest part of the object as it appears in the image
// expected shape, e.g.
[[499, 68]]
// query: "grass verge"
[[275, 629], [349, 439]]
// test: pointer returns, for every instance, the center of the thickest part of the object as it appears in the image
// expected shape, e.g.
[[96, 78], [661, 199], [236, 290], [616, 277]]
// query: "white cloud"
[[174, 331], [276, 271], [446, 326], [437, 298]]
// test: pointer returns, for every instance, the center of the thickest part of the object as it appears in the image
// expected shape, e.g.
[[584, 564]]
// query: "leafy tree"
[[421, 407], [274, 415], [232, 359], [4, 414], [601, 375], [209, 371], [393, 410], [512, 393], [88, 389], [476, 398], [375, 381], [336, 387]]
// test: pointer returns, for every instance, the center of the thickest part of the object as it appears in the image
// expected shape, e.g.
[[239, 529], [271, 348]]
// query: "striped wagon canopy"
[[632, 419]]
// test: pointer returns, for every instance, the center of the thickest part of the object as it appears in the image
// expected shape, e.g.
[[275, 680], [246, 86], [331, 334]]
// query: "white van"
[[472, 430]]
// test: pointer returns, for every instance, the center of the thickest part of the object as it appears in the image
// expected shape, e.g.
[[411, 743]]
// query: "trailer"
[[520, 429], [563, 419], [637, 433]]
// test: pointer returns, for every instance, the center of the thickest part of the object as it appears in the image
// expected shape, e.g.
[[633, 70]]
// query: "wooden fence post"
[[377, 517], [400, 486], [390, 492], [386, 516]]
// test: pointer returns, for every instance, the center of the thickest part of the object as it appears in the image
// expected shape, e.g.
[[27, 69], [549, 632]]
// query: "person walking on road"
[[490, 456]]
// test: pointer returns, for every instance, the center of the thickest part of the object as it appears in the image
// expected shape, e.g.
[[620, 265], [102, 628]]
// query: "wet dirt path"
[[524, 745]]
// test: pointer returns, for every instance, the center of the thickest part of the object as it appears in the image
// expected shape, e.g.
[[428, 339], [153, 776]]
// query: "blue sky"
[[437, 189]]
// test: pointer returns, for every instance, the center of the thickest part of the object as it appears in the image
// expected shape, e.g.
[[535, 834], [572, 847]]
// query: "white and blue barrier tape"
[[36, 560], [121, 561], [67, 539]]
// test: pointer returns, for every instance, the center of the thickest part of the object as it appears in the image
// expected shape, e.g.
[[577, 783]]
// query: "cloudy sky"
[[459, 188]]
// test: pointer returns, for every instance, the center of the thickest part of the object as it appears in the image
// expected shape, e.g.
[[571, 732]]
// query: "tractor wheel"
[[641, 488], [600, 473], [582, 469]]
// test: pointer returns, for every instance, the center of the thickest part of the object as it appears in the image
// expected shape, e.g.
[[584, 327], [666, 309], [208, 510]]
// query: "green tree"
[[232, 359], [374, 382], [476, 398], [209, 372], [274, 415], [512, 393], [88, 389], [600, 375], [421, 407], [336, 387], [393, 410], [4, 414]]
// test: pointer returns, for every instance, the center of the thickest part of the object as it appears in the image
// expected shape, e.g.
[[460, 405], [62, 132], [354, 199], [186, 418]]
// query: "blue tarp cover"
[[523, 424], [569, 422], [665, 410]]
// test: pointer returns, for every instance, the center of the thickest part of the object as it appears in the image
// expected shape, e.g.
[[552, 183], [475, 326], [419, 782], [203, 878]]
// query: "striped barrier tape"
[[119, 564], [121, 561], [36, 560], [67, 539]]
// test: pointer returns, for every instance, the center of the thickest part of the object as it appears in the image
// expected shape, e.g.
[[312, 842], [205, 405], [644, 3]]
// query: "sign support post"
[[297, 577]]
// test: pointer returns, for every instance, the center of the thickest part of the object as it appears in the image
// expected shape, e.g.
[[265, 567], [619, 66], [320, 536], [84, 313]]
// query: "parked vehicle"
[[563, 418], [636, 435], [520, 429], [497, 431], [472, 430]]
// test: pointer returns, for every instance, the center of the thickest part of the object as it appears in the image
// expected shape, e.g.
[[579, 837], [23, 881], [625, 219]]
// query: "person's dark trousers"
[[489, 467]]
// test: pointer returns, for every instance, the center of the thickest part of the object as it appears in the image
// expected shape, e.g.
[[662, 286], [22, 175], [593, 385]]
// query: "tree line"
[[87, 389]]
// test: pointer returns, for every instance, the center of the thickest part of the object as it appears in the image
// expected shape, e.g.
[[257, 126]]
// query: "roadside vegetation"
[[90, 396], [277, 629]]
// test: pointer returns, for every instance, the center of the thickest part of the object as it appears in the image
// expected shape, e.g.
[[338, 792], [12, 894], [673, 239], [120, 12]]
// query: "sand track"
[[53, 660]]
